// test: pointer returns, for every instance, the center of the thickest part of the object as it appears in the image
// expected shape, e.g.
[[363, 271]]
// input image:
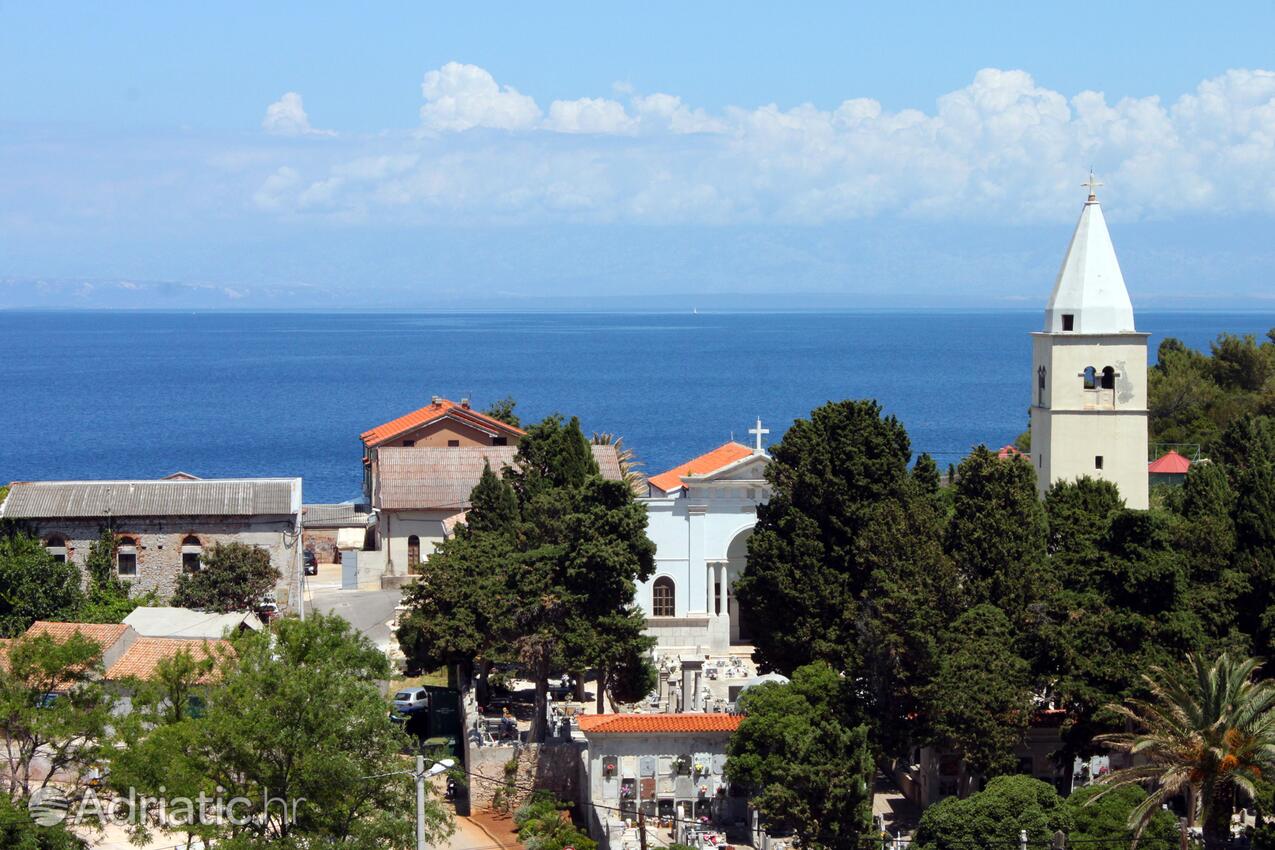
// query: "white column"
[[721, 589]]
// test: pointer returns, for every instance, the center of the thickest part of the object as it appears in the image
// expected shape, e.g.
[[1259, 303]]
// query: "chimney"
[[434, 399], [464, 402]]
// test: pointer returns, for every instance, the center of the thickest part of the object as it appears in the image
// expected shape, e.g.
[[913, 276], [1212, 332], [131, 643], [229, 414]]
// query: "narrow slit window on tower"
[[1097, 462], [1040, 385], [1069, 321]]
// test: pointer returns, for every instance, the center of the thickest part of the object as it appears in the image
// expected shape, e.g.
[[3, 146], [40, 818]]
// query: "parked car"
[[411, 700], [311, 563], [267, 608]]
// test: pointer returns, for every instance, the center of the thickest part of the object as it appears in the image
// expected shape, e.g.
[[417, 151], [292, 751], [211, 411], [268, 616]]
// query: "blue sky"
[[421, 154]]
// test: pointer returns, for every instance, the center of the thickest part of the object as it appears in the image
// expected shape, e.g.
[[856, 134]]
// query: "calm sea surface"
[[122, 395]]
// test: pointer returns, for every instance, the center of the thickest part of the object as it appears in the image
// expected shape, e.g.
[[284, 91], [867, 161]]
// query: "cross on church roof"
[[758, 431], [1092, 185]]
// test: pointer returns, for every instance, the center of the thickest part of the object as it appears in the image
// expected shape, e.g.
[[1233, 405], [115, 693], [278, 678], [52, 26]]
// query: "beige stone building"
[[1089, 371], [419, 470], [163, 527]]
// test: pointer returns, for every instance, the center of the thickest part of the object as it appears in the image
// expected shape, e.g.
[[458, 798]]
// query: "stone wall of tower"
[[1096, 431]]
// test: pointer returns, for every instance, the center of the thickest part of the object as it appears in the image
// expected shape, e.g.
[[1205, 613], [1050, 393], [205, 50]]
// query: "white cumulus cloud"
[[462, 97], [1001, 148], [286, 117], [589, 115]]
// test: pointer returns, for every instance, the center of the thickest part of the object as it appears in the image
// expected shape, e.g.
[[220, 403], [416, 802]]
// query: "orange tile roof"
[[645, 724], [105, 634], [139, 661], [723, 455], [430, 413]]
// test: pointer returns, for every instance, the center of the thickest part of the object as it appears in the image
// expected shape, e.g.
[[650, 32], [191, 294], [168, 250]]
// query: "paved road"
[[369, 611]]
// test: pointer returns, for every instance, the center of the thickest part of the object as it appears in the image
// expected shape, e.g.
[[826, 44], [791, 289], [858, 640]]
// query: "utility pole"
[[642, 829], [420, 803]]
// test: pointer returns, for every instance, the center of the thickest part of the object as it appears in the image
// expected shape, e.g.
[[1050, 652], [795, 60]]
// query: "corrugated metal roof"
[[429, 477], [211, 497], [336, 516]]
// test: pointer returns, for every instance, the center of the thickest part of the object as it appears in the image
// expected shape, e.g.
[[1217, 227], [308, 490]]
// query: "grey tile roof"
[[344, 515], [208, 497], [430, 477]]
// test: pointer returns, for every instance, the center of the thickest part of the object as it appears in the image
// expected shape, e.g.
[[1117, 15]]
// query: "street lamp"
[[421, 775]]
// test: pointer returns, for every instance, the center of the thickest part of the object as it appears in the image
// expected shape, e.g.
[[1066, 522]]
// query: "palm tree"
[[629, 464], [1207, 731]]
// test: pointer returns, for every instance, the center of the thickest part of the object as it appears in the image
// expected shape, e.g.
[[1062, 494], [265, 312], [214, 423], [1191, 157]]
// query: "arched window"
[[413, 551], [56, 546], [126, 556], [1091, 378], [1108, 378], [663, 598], [192, 551]]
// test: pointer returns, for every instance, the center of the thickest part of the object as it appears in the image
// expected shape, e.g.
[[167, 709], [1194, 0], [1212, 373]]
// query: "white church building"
[[700, 515], [1089, 399]]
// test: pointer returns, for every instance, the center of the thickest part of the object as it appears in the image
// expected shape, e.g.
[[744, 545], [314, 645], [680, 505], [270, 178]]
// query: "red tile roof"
[[139, 661], [646, 724], [1009, 451], [106, 634], [1171, 463], [432, 412], [718, 458]]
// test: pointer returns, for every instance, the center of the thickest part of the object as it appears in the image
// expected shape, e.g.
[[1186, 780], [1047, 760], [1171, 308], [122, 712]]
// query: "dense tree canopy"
[[544, 571], [956, 612], [1195, 397], [830, 477], [809, 766], [296, 712], [233, 577], [33, 586]]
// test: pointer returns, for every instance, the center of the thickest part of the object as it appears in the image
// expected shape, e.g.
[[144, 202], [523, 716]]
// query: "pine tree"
[[998, 532], [828, 476]]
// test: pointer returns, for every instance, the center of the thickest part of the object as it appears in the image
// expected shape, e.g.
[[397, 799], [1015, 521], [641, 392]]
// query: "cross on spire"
[[1092, 185], [758, 431]]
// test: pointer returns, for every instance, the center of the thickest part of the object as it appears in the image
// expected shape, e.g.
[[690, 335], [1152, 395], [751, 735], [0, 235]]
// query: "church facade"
[[1089, 368], [700, 515]]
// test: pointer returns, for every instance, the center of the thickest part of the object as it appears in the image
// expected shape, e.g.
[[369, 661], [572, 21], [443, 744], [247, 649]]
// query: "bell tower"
[[1089, 370]]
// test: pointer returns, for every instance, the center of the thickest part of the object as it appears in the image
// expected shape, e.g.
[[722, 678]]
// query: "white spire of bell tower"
[[1089, 295]]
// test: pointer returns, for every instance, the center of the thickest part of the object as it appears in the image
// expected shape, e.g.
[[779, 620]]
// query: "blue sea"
[[142, 394]]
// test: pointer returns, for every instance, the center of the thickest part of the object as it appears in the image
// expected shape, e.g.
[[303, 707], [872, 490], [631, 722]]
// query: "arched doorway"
[[737, 562]]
